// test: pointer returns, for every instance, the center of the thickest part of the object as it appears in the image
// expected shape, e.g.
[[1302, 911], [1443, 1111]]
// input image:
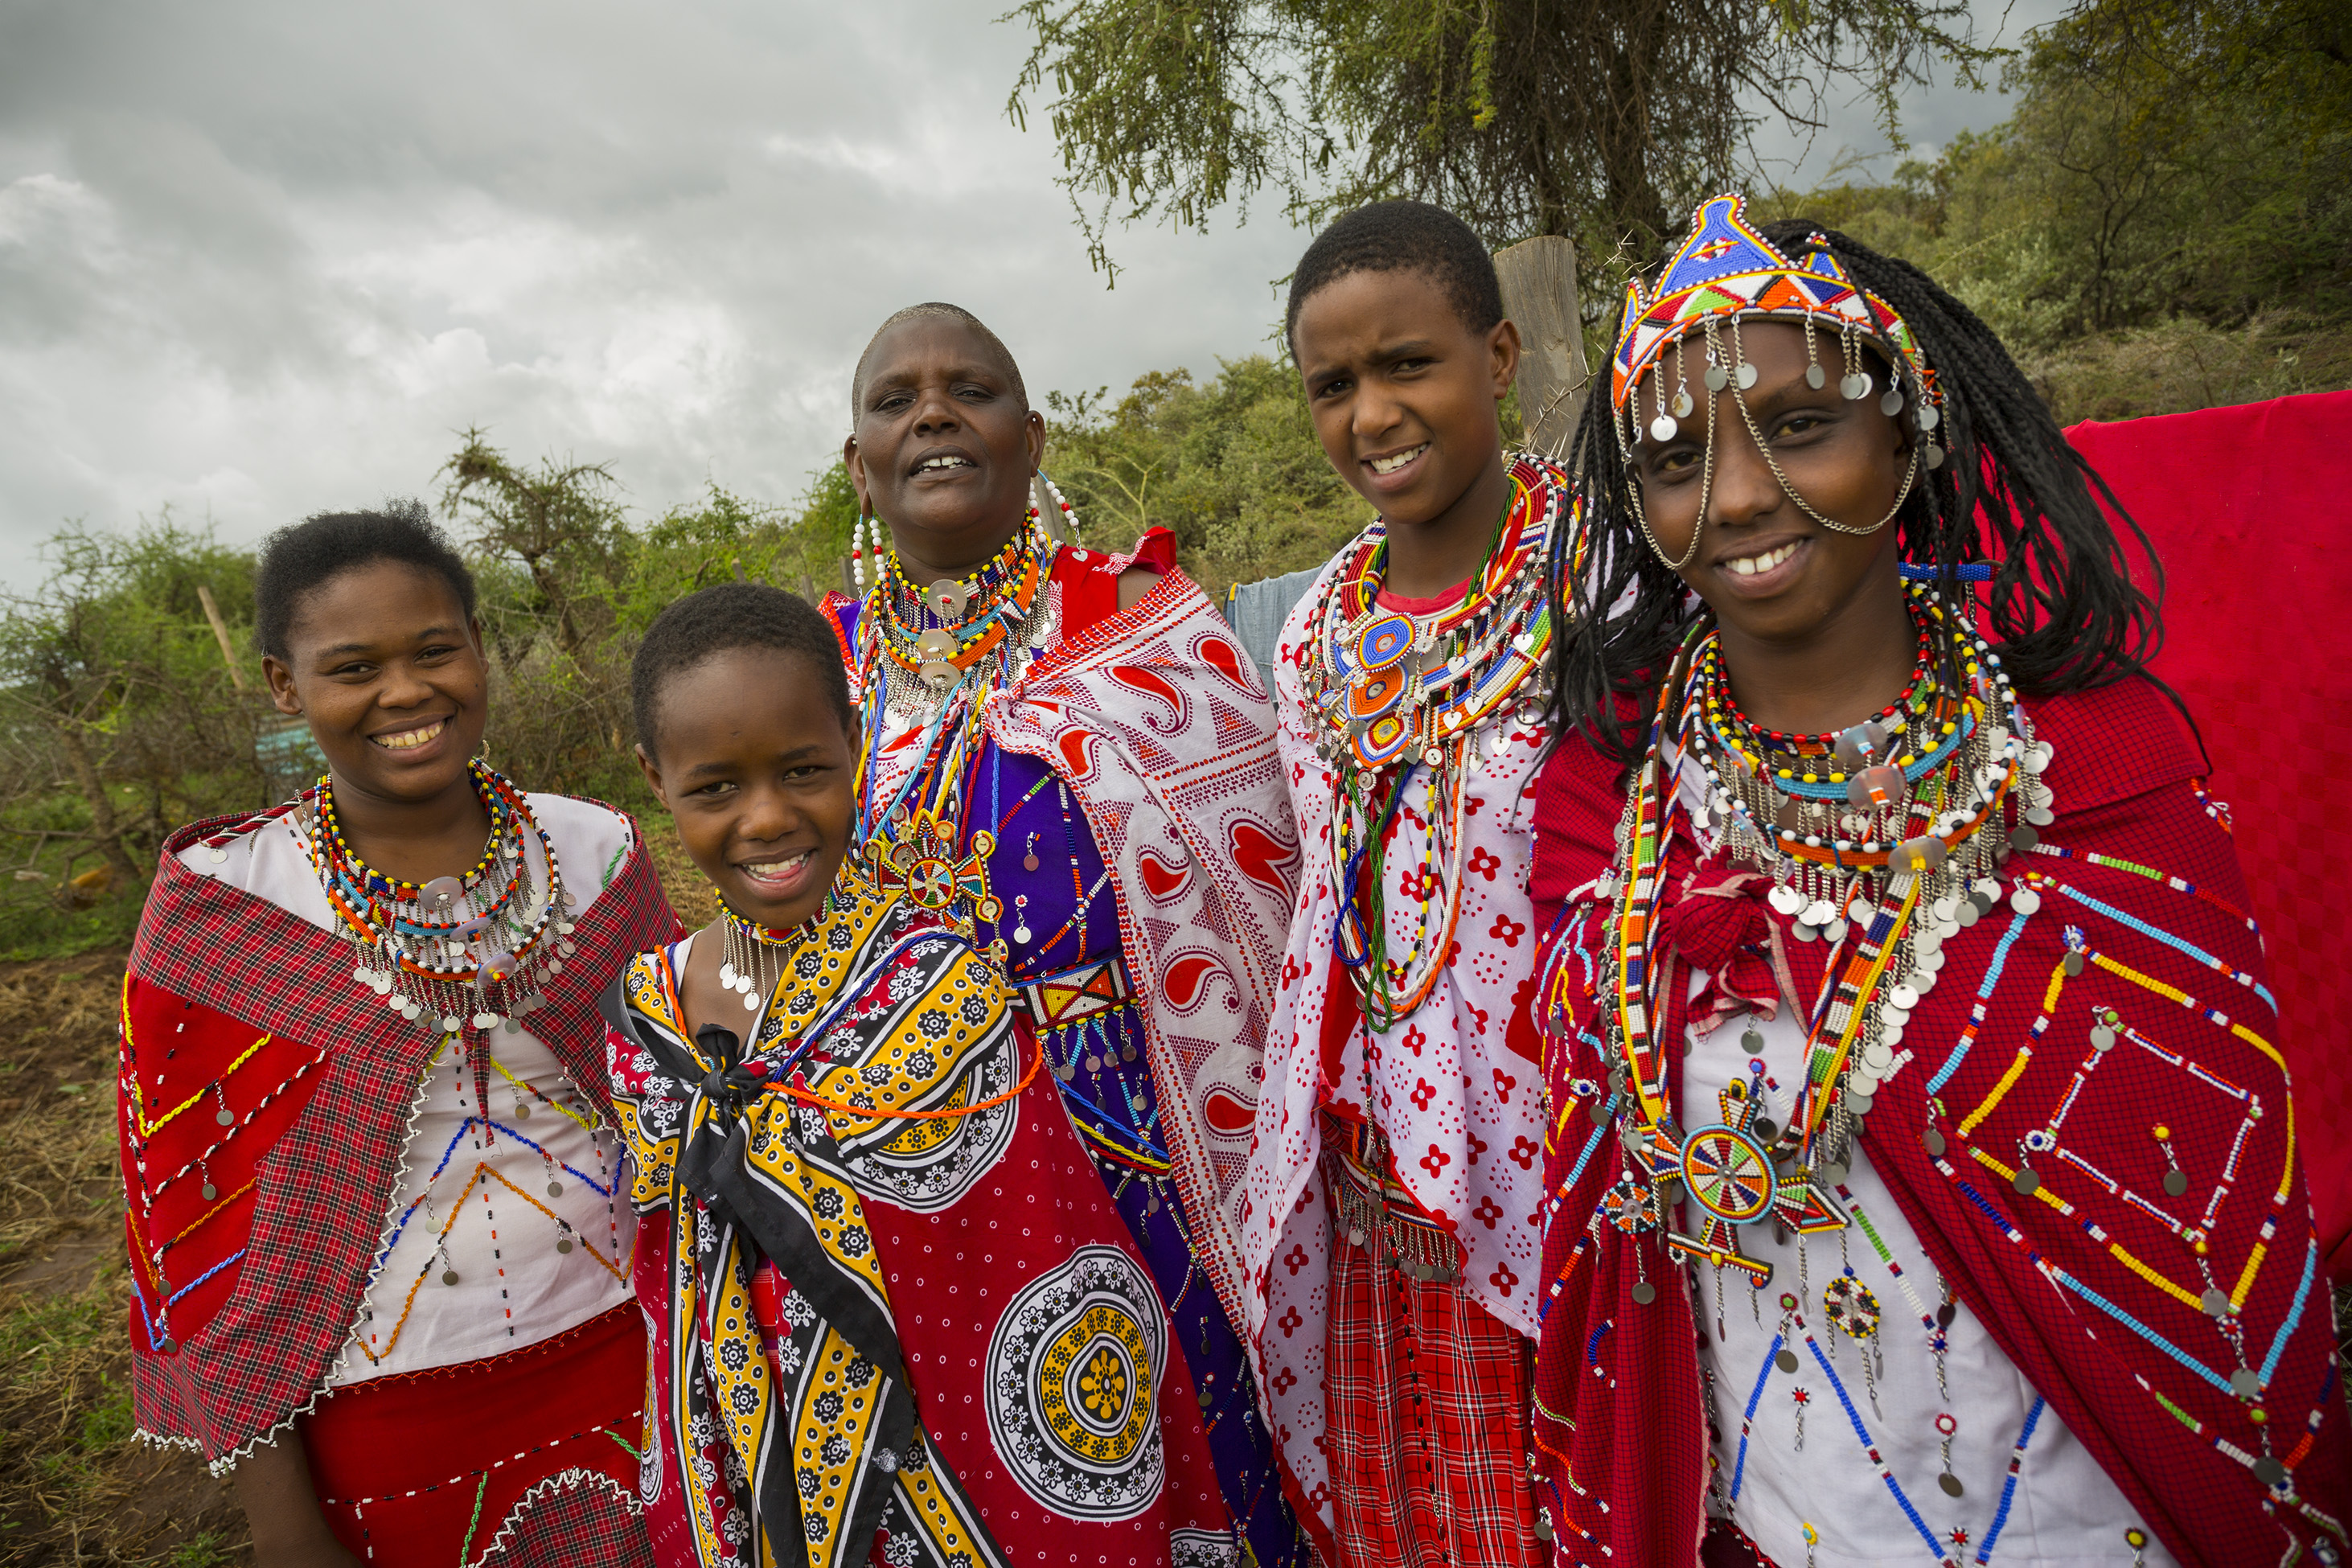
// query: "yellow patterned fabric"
[[796, 1446]]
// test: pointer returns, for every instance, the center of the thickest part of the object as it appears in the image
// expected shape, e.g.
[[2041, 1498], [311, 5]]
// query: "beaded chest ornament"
[[930, 656], [1389, 692], [453, 953]]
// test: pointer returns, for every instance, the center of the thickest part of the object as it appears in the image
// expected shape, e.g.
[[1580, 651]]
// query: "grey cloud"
[[259, 258]]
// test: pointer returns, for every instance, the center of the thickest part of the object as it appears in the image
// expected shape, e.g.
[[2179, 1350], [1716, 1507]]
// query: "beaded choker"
[[751, 961], [1880, 841], [1389, 692], [454, 952], [942, 631]]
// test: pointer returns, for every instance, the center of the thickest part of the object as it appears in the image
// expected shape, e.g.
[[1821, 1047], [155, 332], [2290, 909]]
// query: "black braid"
[[2062, 610]]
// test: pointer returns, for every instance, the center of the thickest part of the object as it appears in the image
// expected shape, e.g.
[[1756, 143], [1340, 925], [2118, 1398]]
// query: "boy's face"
[[754, 765], [383, 663], [1403, 392]]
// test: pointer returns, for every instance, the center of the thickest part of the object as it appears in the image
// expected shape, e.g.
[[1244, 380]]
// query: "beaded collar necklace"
[[1388, 691], [454, 952], [752, 955], [933, 655], [1883, 853]]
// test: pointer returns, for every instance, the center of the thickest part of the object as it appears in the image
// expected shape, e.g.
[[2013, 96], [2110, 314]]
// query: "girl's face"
[[383, 663], [1765, 568], [754, 764], [943, 449]]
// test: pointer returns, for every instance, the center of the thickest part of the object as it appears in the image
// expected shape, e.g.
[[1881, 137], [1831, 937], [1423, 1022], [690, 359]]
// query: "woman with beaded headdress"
[[1065, 748], [1922, 1180], [380, 1268]]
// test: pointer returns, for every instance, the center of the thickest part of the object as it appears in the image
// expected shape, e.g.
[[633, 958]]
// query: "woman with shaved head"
[[1063, 752]]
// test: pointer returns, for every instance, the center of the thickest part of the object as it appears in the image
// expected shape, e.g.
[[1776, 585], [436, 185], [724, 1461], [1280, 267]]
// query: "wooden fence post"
[[1538, 278]]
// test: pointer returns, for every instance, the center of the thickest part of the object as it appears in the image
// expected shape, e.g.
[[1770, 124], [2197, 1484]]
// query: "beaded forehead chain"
[[1725, 273]]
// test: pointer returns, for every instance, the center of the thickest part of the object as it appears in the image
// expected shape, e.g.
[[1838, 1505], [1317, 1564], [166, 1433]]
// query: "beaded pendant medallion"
[[1881, 841], [455, 952]]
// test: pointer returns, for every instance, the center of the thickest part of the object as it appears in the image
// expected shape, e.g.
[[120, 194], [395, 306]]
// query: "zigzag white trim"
[[562, 1481]]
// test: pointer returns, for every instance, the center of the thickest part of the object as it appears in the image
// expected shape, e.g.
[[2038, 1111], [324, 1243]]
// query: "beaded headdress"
[[1726, 273]]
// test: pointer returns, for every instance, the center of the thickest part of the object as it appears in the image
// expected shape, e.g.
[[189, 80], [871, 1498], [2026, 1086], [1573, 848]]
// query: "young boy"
[[1394, 1191], [896, 1317]]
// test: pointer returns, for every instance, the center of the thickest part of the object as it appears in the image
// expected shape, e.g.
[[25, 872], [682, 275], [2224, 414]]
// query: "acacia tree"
[[1601, 120]]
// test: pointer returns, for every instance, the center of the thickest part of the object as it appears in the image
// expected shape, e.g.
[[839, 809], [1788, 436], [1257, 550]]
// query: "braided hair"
[[2060, 609]]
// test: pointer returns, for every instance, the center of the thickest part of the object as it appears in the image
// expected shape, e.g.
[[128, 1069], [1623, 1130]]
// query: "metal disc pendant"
[[1819, 913], [522, 1111], [2245, 1382], [1933, 1141], [1786, 899], [937, 644], [1745, 375], [1856, 387], [1681, 406], [1932, 454], [727, 976], [486, 1020], [1664, 428], [2025, 900], [441, 893], [1786, 1360], [750, 1004], [2214, 1303], [1021, 933], [555, 1189], [938, 674], [564, 1243], [1207, 1399], [225, 1118], [2270, 1472], [1928, 418], [1950, 1483], [946, 599], [1718, 378], [1815, 376], [219, 856], [2175, 1184], [1891, 404], [1029, 862], [1645, 1292], [211, 1191], [2027, 1181], [449, 1276]]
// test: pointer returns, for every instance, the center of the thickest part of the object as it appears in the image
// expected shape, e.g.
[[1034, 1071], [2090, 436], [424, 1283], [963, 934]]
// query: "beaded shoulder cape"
[[253, 1070], [2073, 1053], [883, 1069], [1160, 724]]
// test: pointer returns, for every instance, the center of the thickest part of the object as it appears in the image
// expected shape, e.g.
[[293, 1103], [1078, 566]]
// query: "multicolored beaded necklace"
[[1881, 841], [931, 656], [1390, 692], [454, 952]]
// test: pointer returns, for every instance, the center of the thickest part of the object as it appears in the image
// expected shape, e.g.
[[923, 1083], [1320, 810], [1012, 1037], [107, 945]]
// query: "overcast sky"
[[259, 257]]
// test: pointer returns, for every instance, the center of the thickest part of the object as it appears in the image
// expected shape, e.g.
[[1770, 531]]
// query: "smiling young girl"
[[378, 1266], [1922, 1175], [869, 1226]]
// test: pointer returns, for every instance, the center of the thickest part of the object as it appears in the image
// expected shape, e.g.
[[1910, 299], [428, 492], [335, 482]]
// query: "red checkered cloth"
[[2094, 1283], [1428, 1427], [2258, 641], [270, 1275], [524, 1460]]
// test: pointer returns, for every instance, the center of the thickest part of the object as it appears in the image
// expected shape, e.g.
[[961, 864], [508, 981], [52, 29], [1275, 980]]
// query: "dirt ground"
[[75, 1484]]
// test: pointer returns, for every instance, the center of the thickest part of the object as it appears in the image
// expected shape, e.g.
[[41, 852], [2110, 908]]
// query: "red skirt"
[[520, 1461]]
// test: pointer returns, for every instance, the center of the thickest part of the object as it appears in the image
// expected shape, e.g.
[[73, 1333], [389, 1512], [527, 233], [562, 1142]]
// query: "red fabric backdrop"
[[2242, 505]]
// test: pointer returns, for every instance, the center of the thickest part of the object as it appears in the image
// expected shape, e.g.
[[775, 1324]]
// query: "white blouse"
[[515, 1191]]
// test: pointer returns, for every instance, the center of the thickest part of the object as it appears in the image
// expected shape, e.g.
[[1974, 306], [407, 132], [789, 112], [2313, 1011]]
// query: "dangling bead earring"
[[857, 553]]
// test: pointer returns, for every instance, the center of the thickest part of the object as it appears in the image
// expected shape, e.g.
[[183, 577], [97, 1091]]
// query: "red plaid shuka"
[[1423, 1383], [2093, 1282], [233, 1008]]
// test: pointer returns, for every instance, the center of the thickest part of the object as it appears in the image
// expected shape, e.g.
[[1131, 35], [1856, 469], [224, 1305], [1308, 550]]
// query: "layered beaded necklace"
[[1880, 840], [929, 657], [1389, 692], [454, 952]]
